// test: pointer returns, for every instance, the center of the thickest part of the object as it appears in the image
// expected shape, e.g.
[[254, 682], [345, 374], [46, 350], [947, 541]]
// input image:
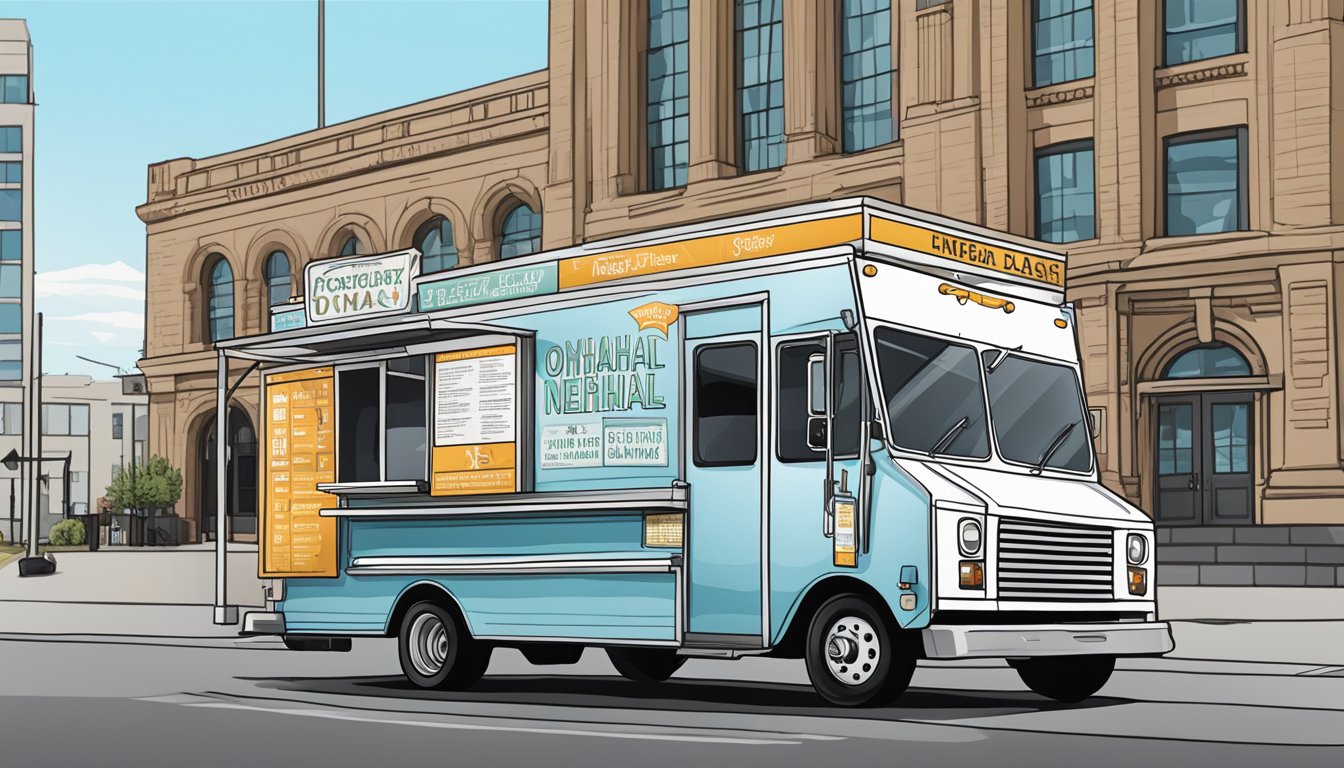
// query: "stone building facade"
[[1189, 157]]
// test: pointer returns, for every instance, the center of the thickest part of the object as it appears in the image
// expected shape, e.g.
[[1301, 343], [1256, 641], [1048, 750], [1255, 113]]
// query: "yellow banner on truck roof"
[[1028, 266], [709, 251]]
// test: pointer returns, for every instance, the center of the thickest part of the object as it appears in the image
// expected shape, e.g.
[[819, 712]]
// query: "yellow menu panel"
[[300, 453], [710, 250], [475, 422]]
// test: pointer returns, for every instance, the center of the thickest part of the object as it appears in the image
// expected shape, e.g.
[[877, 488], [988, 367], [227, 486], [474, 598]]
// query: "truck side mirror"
[[875, 430], [816, 433]]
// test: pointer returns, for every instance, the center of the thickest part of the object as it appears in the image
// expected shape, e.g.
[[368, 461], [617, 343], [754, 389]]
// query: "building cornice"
[[505, 110], [1202, 75]]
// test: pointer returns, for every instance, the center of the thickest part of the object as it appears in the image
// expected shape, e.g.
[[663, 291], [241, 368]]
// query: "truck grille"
[[1047, 561]]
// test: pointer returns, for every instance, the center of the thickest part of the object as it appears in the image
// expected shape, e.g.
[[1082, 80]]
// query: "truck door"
[[726, 443]]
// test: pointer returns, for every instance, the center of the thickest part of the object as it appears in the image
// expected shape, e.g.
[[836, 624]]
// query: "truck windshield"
[[1038, 413], [934, 395]]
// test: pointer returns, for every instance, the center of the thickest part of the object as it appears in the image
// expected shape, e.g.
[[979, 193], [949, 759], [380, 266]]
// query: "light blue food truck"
[[848, 432]]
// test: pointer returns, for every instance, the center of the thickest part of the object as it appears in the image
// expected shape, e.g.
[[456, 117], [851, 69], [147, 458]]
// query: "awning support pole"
[[224, 613]]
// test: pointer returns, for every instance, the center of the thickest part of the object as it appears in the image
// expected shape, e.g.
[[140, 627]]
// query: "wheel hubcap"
[[852, 650], [428, 644]]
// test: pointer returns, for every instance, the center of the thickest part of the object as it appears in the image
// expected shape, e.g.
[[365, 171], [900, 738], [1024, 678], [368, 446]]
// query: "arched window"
[[219, 305], [1206, 362], [277, 278], [520, 233], [434, 240], [353, 246]]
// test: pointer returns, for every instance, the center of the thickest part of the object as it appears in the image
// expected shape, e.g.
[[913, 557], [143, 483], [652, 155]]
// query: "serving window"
[[381, 425]]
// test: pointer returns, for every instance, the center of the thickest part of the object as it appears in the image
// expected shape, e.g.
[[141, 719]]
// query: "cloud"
[[103, 336], [131, 320], [117, 280]]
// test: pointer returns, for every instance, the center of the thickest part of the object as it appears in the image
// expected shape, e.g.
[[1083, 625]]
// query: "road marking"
[[201, 702]]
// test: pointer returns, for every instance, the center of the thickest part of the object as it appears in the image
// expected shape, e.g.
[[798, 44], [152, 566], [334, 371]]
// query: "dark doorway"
[[1203, 454], [240, 474]]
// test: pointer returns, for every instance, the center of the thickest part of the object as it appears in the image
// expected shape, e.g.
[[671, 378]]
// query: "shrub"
[[67, 533]]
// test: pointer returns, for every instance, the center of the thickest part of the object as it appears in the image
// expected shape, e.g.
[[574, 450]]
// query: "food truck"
[[846, 432]]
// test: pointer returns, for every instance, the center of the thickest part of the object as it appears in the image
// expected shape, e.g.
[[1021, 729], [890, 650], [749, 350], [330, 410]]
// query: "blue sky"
[[121, 85]]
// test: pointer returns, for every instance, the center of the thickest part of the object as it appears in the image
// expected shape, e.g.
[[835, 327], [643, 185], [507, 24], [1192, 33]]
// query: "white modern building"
[[16, 256]]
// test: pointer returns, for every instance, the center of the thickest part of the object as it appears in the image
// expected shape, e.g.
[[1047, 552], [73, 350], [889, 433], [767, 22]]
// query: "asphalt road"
[[109, 702]]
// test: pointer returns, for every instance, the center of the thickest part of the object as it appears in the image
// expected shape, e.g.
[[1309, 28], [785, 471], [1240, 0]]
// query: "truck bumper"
[[263, 623], [1151, 638]]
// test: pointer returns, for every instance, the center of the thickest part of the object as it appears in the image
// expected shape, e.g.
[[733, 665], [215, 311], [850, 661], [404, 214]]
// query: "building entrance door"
[[1202, 452]]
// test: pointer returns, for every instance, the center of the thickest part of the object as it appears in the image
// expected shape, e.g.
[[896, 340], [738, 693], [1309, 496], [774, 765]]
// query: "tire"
[[1069, 679], [853, 658], [436, 650], [645, 665]]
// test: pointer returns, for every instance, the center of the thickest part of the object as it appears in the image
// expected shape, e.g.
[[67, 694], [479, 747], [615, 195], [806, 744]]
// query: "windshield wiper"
[[1054, 446], [952, 432], [1001, 356]]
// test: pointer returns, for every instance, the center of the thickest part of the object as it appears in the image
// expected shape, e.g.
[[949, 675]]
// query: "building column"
[[713, 75], [1308, 487], [811, 79]]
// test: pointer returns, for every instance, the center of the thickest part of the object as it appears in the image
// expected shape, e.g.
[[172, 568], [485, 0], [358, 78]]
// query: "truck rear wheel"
[[853, 659], [1069, 679], [437, 651], [645, 665]]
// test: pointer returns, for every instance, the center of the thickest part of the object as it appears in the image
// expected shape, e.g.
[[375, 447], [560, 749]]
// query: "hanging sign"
[[475, 421], [300, 453], [359, 287]]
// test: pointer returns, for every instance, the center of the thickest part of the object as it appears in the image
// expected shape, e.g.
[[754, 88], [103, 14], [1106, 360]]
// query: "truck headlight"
[[969, 537], [1136, 549]]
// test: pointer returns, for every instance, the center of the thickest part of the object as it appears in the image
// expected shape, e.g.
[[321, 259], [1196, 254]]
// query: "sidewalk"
[[168, 593], [163, 592]]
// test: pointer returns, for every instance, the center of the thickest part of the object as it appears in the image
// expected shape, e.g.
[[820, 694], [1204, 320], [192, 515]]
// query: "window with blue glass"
[[1062, 40], [11, 244], [668, 112], [1209, 361], [11, 318], [13, 89], [11, 205], [11, 173], [277, 278], [1206, 183], [353, 246], [219, 310], [1066, 197], [434, 240], [11, 138], [865, 74], [11, 361], [1203, 29], [11, 281], [759, 26], [520, 233]]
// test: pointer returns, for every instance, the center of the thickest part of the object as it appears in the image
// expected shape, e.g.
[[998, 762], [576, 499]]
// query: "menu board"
[[300, 453], [475, 421]]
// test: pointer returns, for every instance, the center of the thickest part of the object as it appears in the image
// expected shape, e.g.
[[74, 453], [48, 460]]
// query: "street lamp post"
[[32, 564]]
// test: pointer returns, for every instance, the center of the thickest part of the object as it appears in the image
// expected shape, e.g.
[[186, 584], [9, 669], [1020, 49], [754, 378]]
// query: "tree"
[[155, 485]]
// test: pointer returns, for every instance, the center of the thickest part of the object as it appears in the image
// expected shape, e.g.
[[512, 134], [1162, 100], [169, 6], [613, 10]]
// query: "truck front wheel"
[[437, 651], [853, 658], [1069, 679]]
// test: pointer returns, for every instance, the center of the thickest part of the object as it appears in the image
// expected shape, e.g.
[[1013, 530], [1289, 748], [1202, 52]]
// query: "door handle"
[[1194, 483]]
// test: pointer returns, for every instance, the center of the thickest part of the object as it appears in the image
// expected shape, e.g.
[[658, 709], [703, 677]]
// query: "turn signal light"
[[1138, 581], [972, 574]]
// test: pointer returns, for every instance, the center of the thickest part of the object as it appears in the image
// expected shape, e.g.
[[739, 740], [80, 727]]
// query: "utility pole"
[[35, 519], [321, 64]]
